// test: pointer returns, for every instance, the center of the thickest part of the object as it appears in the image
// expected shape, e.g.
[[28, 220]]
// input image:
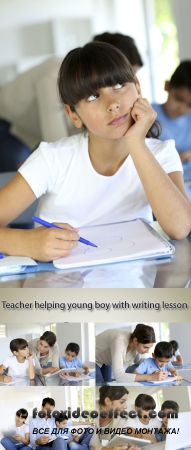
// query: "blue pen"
[[1, 255], [51, 225]]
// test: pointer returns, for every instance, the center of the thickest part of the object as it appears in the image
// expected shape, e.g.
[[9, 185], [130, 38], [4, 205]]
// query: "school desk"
[[172, 272], [57, 381], [148, 383]]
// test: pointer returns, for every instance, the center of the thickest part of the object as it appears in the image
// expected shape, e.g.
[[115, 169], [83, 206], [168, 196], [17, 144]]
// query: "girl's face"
[[107, 114], [121, 404]]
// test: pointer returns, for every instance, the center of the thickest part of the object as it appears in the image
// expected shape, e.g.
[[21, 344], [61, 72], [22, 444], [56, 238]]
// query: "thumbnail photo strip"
[[53, 354]]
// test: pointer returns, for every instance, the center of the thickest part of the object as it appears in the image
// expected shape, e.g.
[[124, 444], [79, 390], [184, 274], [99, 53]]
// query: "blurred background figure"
[[175, 114], [30, 112], [124, 43]]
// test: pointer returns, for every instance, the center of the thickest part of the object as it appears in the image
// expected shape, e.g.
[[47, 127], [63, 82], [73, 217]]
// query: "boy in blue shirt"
[[71, 361], [167, 406], [175, 115], [161, 360]]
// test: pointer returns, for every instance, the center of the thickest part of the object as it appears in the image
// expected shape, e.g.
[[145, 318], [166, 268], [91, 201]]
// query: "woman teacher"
[[116, 348], [46, 353], [115, 398]]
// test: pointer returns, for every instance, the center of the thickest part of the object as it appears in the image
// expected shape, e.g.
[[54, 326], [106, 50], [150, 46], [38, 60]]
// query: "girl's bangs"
[[91, 68], [105, 72]]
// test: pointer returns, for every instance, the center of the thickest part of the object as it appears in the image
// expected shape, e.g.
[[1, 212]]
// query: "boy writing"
[[21, 364], [161, 360]]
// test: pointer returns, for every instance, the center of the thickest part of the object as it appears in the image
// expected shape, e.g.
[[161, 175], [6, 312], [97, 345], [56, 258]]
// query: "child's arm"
[[25, 440], [178, 362], [185, 156], [158, 375], [86, 368], [4, 378], [174, 373], [31, 367], [165, 192], [141, 435], [43, 244]]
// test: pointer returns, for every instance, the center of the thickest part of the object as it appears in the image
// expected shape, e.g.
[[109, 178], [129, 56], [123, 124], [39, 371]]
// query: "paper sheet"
[[115, 243]]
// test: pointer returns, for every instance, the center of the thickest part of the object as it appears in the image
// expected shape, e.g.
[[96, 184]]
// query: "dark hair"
[[146, 402], [174, 346], [181, 78], [72, 347], [144, 334], [48, 400], [124, 43], [170, 404], [61, 418], [49, 337], [87, 69], [113, 392], [163, 349], [22, 413], [18, 344]]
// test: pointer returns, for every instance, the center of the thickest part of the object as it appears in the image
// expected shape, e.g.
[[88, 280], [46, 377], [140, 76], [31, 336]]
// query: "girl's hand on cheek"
[[144, 116]]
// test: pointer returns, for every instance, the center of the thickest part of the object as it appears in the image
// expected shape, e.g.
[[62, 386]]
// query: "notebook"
[[116, 243], [166, 381], [13, 381]]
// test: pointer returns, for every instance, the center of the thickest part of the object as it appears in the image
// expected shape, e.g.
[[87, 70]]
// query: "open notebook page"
[[115, 243]]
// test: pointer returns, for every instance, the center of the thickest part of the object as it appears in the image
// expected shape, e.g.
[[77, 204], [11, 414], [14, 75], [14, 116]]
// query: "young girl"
[[108, 174]]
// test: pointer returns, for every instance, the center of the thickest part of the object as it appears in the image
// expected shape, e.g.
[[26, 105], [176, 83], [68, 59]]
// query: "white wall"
[[25, 330], [182, 13], [31, 31], [181, 333]]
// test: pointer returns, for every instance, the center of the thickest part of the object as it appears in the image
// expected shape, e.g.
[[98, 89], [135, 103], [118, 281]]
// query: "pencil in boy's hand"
[[51, 225]]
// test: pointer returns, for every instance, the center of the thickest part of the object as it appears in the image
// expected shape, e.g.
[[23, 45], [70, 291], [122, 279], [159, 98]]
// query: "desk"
[[162, 273], [57, 381], [147, 383]]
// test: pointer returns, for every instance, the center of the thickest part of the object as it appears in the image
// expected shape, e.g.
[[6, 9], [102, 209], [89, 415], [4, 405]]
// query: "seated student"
[[70, 360], [22, 433], [175, 114], [176, 358], [62, 429], [74, 442], [145, 404], [168, 405], [160, 361], [21, 364], [111, 160], [124, 43]]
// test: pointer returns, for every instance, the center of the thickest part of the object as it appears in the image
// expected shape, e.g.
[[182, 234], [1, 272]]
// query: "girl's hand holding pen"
[[144, 116], [46, 244]]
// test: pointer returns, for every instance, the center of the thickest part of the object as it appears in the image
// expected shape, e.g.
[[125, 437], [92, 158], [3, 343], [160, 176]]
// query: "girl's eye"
[[118, 86], [92, 97]]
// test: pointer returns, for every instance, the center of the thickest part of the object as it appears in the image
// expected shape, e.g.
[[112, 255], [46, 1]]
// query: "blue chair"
[[24, 220]]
